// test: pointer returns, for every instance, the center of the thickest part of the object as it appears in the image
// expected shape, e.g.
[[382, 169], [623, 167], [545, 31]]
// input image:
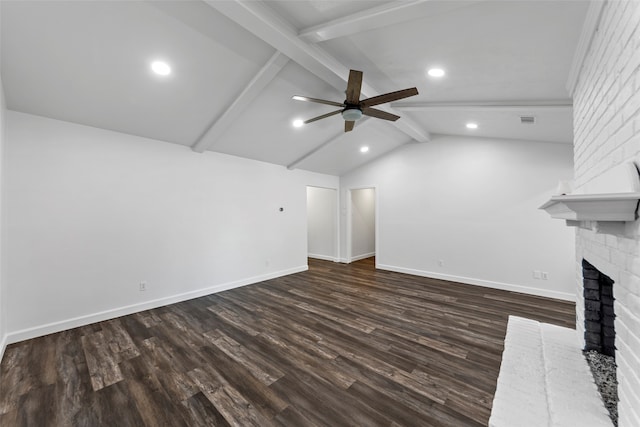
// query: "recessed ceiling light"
[[472, 126], [298, 123], [436, 72], [364, 149], [161, 68]]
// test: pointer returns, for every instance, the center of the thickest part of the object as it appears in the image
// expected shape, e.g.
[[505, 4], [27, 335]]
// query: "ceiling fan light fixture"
[[298, 123], [352, 114]]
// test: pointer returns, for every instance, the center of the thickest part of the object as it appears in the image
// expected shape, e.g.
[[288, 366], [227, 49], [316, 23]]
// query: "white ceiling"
[[236, 65]]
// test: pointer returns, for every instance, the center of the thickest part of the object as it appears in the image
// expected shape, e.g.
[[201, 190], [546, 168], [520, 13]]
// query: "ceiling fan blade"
[[333, 113], [379, 114], [388, 97], [348, 126], [353, 87], [319, 101]]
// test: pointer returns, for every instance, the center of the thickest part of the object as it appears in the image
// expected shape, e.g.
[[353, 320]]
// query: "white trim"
[[363, 256], [566, 296], [589, 29], [75, 322], [502, 106], [323, 257], [254, 88], [395, 12], [263, 22], [3, 346]]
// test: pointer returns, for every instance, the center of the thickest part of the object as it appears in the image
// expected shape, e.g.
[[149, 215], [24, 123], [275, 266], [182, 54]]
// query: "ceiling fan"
[[353, 109]]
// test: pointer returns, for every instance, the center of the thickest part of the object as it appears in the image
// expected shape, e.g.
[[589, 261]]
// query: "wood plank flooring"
[[338, 345]]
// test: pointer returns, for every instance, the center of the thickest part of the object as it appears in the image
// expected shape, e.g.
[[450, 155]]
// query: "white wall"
[[91, 213], [3, 333], [363, 223], [3, 309], [472, 203], [322, 223], [607, 133]]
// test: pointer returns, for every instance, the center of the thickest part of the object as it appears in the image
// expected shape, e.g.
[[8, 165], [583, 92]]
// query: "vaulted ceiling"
[[236, 65]]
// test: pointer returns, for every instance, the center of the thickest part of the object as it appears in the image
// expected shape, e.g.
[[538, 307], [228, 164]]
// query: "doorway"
[[322, 223], [361, 233]]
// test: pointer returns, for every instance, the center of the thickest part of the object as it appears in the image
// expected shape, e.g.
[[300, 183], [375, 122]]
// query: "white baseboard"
[[323, 257], [75, 322], [363, 256], [566, 296]]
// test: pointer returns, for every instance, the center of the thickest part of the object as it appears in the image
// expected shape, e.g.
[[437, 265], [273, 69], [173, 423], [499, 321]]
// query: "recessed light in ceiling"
[[161, 68], [364, 149], [298, 123], [436, 72], [472, 126]]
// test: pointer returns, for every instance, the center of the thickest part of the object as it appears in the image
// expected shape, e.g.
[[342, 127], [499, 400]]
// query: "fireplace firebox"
[[599, 317]]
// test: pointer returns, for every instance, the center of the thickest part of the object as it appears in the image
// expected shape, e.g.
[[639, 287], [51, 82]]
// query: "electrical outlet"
[[143, 286], [545, 275], [537, 274]]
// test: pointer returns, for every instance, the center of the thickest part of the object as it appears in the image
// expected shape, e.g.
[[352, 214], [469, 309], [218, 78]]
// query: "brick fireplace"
[[606, 93]]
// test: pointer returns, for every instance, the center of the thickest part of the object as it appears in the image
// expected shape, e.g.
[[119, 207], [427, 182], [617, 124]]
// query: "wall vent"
[[527, 120]]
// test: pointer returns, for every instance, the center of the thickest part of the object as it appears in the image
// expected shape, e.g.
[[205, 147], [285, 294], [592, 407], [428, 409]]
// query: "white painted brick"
[[619, 259], [630, 282], [633, 265], [627, 326], [630, 109], [627, 378], [632, 146], [626, 405], [627, 382], [611, 241], [607, 133], [624, 133], [627, 413]]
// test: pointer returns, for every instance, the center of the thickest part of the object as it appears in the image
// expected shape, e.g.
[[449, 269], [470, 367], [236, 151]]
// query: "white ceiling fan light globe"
[[352, 114]]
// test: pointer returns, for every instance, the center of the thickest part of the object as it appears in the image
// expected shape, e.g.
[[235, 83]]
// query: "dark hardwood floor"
[[339, 345]]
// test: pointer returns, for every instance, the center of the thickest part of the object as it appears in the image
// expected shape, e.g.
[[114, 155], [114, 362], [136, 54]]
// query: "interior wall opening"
[[322, 223], [362, 224]]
